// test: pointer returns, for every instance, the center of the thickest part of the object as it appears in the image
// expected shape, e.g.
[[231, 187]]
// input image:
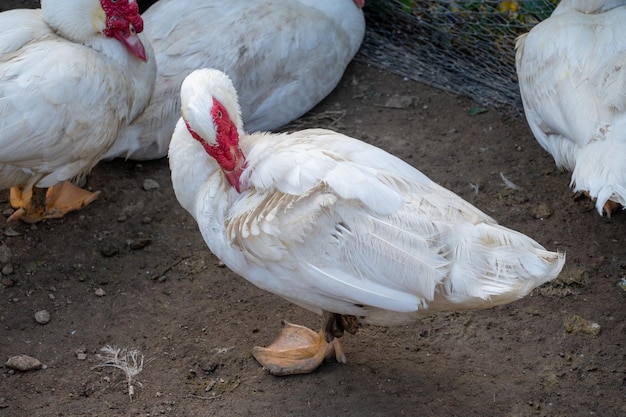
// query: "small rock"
[[136, 244], [42, 317], [51, 297], [150, 184], [100, 292], [109, 249], [622, 284], [11, 233], [5, 254], [399, 102], [81, 353], [23, 363], [578, 325], [7, 269], [6, 281]]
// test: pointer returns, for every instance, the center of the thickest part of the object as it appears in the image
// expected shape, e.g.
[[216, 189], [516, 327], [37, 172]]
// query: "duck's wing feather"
[[331, 223]]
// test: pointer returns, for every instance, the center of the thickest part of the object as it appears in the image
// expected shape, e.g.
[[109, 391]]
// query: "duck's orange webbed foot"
[[300, 350], [296, 350], [38, 204]]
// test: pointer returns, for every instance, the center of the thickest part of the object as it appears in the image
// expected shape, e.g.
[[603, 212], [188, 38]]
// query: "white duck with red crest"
[[337, 226], [72, 74]]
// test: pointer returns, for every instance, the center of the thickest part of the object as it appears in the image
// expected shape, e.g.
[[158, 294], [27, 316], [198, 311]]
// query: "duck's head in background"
[[118, 19]]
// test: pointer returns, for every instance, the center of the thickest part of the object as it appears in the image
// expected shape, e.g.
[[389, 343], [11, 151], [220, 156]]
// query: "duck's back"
[[282, 55]]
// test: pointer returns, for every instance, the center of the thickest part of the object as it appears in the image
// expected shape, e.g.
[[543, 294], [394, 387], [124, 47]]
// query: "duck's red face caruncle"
[[226, 151], [123, 22]]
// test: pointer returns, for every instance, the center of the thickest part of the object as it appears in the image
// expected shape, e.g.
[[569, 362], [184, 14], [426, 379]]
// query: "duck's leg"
[[300, 350], [38, 204], [609, 207]]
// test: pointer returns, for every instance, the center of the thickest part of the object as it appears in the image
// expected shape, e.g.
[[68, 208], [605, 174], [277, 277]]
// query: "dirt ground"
[[132, 271]]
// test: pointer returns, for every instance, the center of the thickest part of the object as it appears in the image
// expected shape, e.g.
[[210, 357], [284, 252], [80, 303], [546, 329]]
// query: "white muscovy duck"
[[572, 77], [337, 226], [284, 57], [71, 75]]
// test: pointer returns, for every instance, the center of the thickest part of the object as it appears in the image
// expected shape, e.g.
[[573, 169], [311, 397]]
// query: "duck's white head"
[[212, 114], [82, 20]]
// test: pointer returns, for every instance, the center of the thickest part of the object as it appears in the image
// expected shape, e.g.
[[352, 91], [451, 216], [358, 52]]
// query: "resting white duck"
[[572, 76], [337, 226], [71, 75], [284, 57]]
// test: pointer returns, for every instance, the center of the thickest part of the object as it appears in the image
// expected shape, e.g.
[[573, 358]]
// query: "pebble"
[[42, 317], [150, 184], [23, 363], [81, 353], [11, 233], [109, 249], [5, 254], [6, 281], [7, 269], [136, 244], [100, 292], [399, 102]]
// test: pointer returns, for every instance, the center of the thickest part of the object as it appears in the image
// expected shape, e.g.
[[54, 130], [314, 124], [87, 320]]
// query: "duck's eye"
[[219, 114]]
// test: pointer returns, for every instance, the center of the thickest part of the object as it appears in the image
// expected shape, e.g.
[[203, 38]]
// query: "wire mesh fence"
[[463, 47]]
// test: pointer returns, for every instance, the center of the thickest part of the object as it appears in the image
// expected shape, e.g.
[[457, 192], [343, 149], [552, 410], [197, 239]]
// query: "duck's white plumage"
[[284, 56], [65, 91], [334, 224], [572, 75]]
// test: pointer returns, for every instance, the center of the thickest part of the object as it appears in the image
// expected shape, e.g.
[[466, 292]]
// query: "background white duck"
[[337, 226], [284, 57], [71, 75], [572, 75]]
